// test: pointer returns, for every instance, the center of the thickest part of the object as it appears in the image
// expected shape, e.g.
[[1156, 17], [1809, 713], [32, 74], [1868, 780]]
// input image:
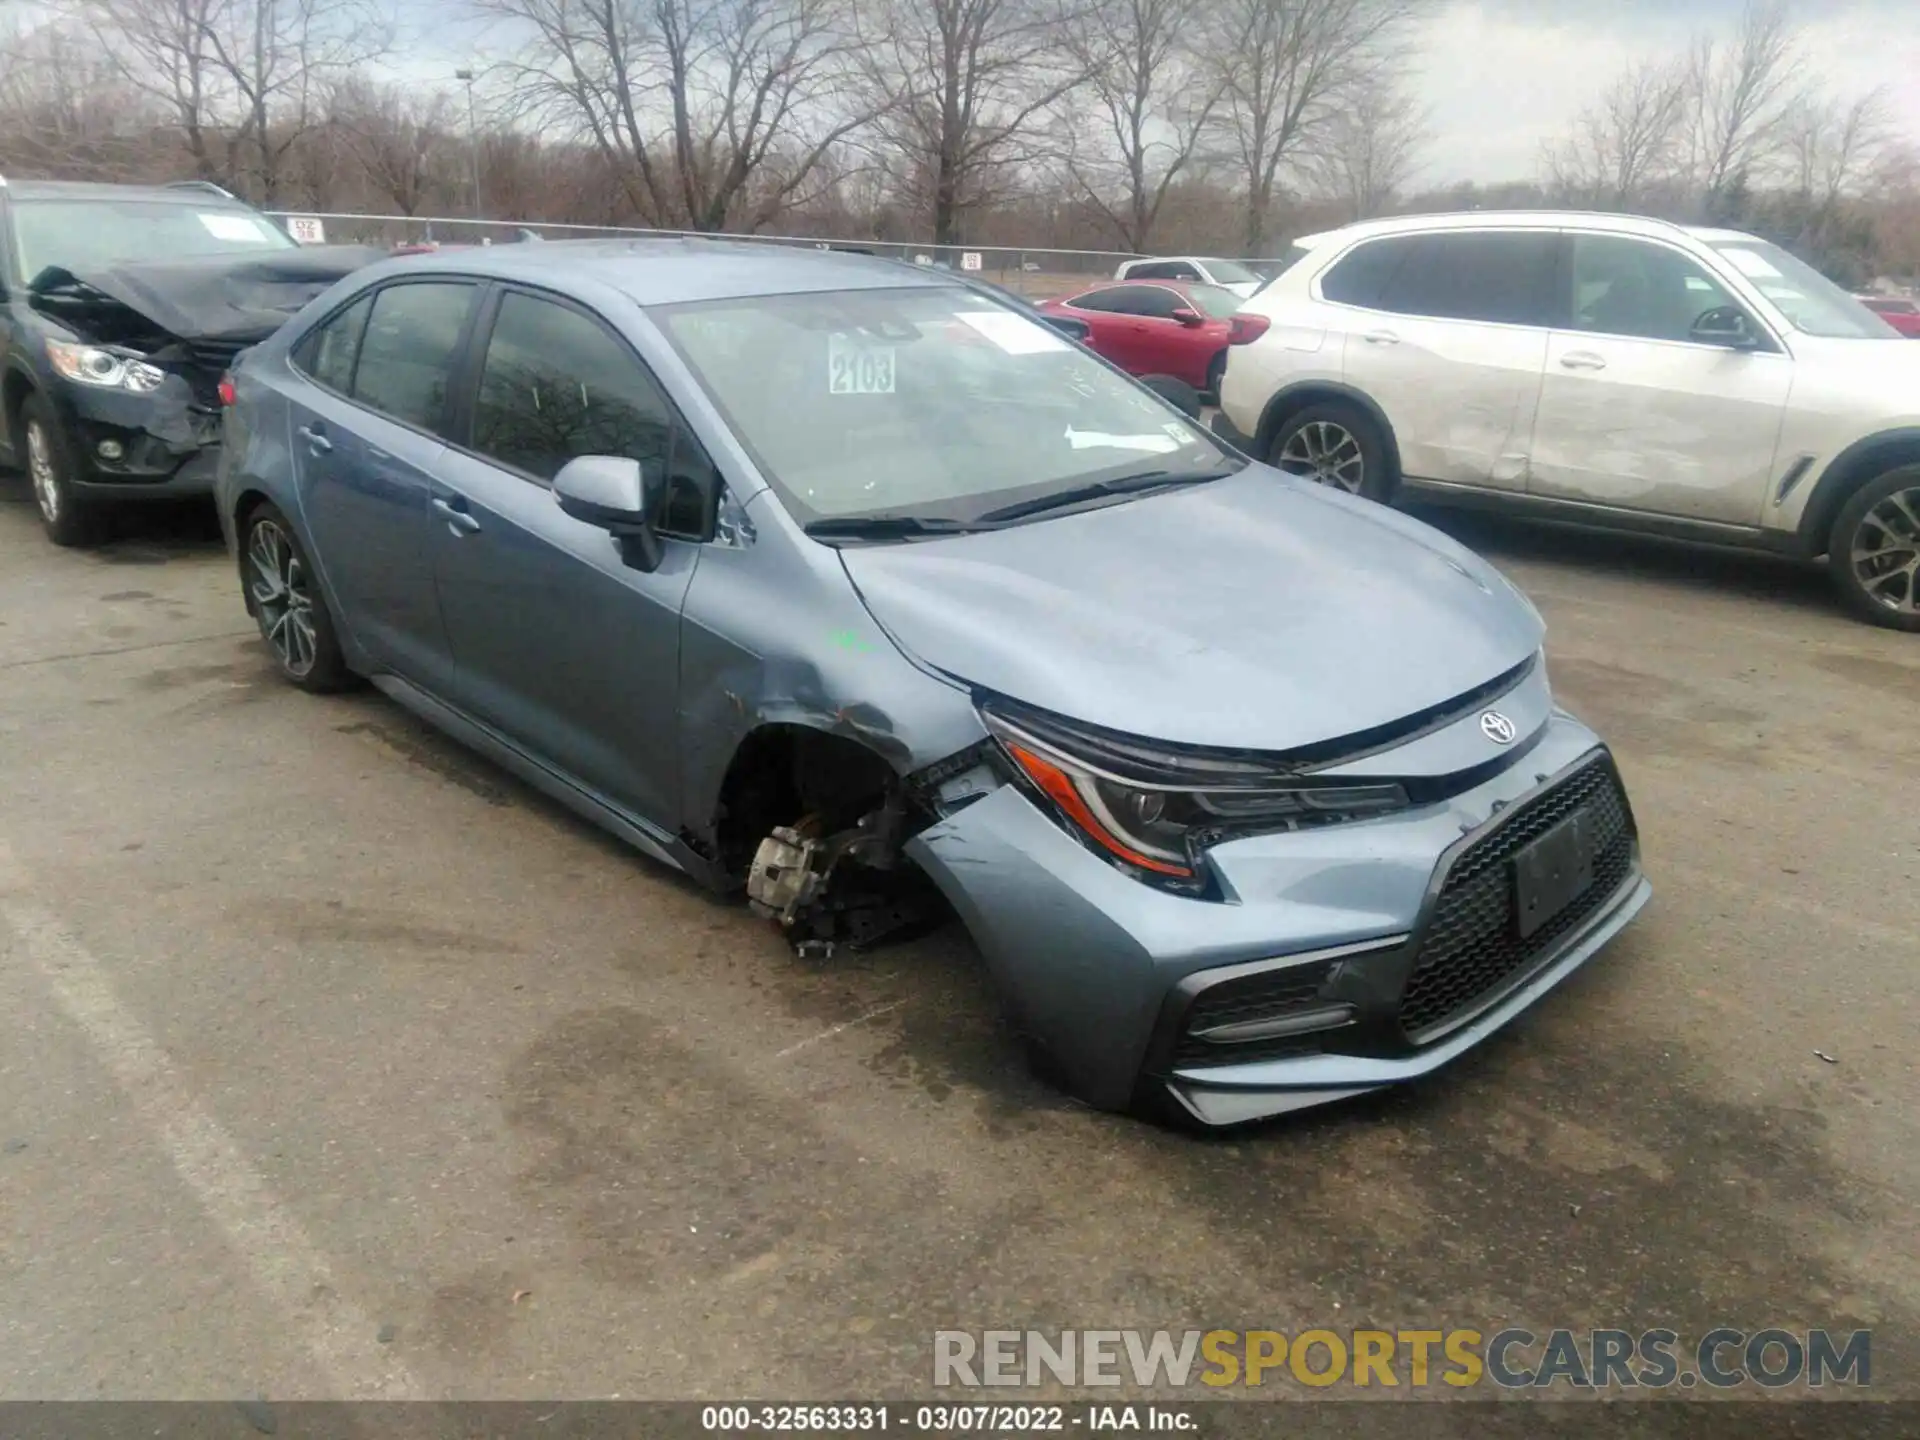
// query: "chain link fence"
[[1033, 271]]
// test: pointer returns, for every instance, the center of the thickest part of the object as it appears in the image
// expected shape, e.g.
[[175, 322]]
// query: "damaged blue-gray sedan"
[[852, 586]]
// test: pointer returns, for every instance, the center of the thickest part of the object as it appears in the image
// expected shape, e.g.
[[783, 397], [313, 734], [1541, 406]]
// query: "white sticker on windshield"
[[1751, 265], [1013, 333], [231, 227], [1153, 443], [858, 367]]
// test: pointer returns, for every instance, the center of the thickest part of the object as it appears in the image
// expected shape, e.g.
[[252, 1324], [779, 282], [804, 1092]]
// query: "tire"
[[1873, 551], [66, 517], [285, 597], [1216, 373], [1337, 445]]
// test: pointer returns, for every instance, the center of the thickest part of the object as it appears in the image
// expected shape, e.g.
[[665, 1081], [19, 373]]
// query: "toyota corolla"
[[840, 583]]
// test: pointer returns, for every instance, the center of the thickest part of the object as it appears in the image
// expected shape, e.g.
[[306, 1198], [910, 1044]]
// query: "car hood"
[[1255, 612], [236, 299]]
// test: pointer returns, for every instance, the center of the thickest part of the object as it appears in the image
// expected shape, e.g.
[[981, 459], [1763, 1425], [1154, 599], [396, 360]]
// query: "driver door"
[[1635, 414]]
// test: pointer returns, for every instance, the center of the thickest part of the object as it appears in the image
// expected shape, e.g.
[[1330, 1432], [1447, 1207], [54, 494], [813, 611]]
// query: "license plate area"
[[1552, 872]]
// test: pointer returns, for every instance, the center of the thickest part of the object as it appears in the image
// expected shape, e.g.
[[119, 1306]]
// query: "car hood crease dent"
[[238, 299], [1255, 612]]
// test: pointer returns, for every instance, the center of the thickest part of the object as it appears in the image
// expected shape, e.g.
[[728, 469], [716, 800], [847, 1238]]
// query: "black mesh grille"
[[1265, 996], [1472, 947]]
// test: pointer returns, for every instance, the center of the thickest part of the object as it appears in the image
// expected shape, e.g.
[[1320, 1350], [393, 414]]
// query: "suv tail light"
[[1245, 329], [225, 389]]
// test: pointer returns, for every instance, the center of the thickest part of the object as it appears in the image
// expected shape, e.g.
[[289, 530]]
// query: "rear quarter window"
[[1361, 276]]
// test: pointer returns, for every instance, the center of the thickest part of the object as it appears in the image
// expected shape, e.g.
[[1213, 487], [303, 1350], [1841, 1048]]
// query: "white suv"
[[1599, 368]]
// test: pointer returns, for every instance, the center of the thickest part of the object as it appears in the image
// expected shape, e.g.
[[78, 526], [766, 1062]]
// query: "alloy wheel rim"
[[1886, 552], [1327, 454], [282, 597], [46, 485]]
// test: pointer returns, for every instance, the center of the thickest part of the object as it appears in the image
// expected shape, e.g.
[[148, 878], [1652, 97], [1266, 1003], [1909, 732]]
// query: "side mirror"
[[1188, 316], [1724, 325], [617, 495]]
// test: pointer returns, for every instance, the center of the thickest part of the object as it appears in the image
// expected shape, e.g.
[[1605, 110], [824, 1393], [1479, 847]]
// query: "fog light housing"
[[110, 450]]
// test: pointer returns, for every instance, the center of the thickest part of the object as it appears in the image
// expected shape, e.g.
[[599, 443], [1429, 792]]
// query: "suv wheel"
[[1335, 445], [67, 519], [285, 598], [1874, 551]]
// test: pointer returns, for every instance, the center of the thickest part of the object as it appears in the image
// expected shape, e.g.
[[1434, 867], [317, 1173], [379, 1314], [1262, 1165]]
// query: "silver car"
[[852, 587]]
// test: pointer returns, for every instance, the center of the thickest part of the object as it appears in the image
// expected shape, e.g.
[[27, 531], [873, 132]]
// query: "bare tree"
[[1156, 101], [1627, 143], [63, 111], [160, 49], [1369, 149], [714, 113], [1834, 145], [1742, 93], [397, 139], [1288, 65], [962, 87]]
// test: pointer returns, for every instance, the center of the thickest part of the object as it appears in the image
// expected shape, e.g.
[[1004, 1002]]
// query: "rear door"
[[366, 435], [1448, 335], [1116, 330], [1636, 414], [558, 643]]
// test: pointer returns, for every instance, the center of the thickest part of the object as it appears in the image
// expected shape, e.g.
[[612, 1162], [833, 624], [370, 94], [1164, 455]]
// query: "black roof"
[[186, 193]]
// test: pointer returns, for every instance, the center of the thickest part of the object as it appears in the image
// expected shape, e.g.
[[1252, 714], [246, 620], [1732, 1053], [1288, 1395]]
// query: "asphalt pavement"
[[335, 1062]]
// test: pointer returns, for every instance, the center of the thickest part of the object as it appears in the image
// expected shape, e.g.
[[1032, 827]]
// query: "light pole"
[[473, 139]]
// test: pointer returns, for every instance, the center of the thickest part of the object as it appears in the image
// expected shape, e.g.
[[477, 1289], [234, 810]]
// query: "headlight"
[[92, 365], [1156, 810]]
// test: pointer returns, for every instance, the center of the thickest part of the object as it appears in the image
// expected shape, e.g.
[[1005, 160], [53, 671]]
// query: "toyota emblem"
[[1497, 728]]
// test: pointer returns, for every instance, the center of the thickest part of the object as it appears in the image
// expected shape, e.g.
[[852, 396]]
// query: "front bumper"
[[1104, 972], [165, 444]]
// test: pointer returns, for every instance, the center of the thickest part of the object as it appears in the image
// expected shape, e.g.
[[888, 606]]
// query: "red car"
[[1163, 327], [1902, 315]]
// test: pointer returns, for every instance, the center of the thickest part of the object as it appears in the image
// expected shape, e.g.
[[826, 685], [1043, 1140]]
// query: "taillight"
[[1244, 329], [226, 390]]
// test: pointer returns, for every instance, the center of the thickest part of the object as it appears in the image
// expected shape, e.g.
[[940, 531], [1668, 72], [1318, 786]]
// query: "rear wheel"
[[67, 519], [285, 598], [1216, 372], [1874, 550], [1335, 445]]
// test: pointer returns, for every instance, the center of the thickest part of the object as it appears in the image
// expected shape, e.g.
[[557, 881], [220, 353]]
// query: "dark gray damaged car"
[[856, 587]]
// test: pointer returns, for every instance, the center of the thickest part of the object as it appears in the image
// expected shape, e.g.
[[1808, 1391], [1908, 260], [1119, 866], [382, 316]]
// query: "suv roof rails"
[[206, 185]]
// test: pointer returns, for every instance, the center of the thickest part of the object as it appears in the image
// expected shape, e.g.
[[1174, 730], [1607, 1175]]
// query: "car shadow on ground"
[[146, 533], [1770, 579]]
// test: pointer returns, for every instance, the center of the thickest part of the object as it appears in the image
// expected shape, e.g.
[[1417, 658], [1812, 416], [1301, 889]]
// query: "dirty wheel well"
[[785, 772], [1835, 490], [12, 396]]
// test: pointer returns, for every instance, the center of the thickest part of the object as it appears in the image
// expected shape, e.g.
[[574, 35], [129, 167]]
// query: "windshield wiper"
[[1100, 489], [886, 527]]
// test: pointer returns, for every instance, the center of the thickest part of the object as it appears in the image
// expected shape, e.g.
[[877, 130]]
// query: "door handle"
[[1381, 337], [316, 439], [1582, 360], [458, 521]]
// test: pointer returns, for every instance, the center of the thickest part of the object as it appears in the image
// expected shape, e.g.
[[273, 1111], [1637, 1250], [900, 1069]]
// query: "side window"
[[407, 354], [1155, 301], [1623, 286], [557, 384], [1153, 270], [1102, 300], [1502, 277], [1361, 276], [327, 352]]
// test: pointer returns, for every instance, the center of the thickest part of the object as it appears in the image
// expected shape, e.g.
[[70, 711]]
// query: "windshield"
[[88, 234], [930, 402], [1231, 272], [1813, 304], [1220, 304]]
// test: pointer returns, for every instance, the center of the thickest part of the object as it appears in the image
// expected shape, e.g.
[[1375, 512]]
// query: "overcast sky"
[[1502, 76]]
